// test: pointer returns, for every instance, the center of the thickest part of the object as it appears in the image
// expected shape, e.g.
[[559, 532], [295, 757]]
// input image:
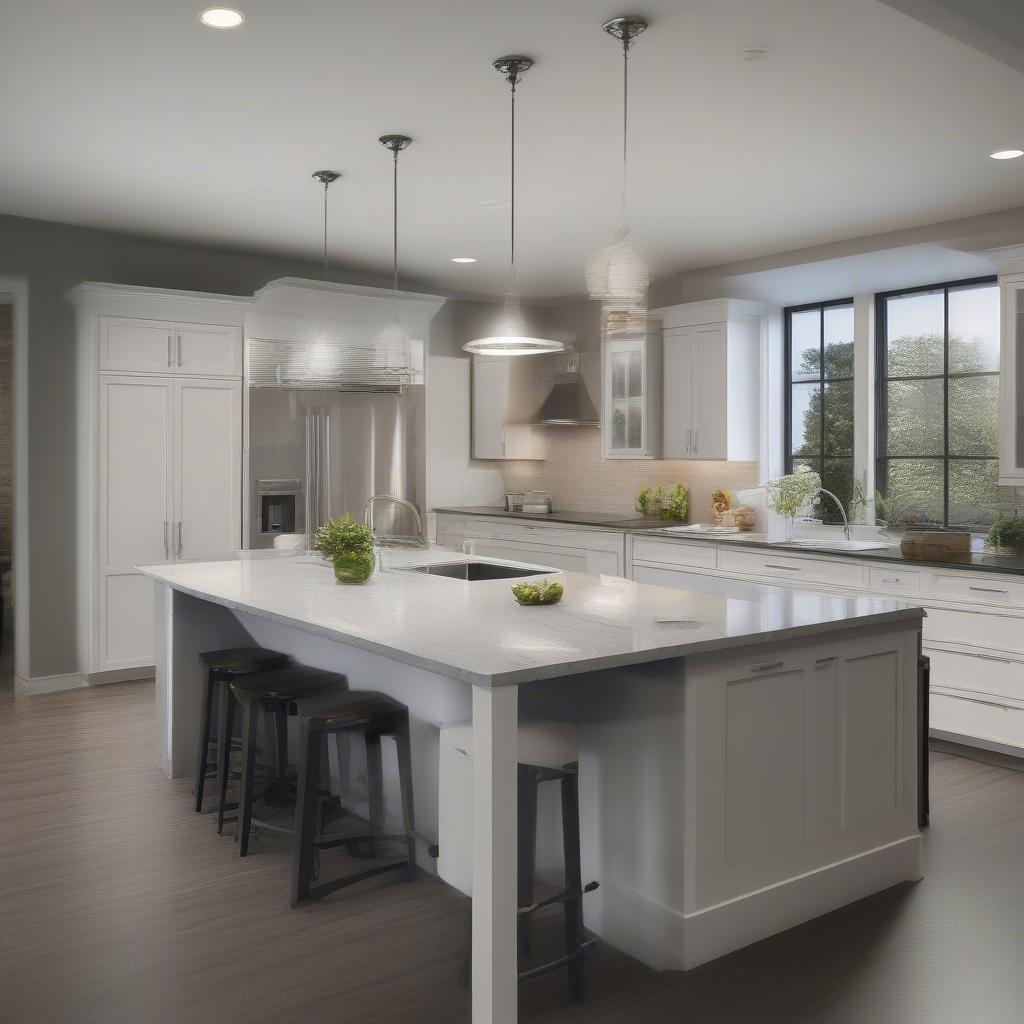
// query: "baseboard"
[[672, 940], [121, 675], [986, 755], [967, 740], [49, 684]]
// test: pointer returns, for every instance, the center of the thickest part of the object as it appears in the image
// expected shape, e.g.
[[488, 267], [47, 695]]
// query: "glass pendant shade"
[[618, 273], [394, 350]]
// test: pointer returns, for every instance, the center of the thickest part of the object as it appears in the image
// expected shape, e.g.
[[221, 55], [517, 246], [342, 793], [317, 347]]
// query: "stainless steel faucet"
[[842, 512], [420, 539]]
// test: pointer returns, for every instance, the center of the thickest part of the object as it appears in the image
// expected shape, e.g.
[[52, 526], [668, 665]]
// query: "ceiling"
[[129, 115]]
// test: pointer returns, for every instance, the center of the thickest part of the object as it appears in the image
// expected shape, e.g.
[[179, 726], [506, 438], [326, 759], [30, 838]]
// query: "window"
[[938, 403], [819, 397]]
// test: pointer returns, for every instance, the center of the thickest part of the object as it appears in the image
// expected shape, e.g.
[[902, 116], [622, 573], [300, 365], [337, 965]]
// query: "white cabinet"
[[631, 395], [504, 402], [1009, 262], [160, 454], [711, 380], [135, 345]]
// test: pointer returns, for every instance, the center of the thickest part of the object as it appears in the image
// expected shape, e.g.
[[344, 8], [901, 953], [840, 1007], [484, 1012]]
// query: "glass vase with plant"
[[1007, 534], [790, 495], [645, 502], [676, 504], [349, 545]]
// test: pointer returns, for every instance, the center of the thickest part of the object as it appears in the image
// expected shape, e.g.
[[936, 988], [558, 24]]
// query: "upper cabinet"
[[130, 345], [631, 395], [505, 402], [711, 380], [1009, 262]]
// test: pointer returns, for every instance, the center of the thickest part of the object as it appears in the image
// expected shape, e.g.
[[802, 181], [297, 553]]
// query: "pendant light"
[[618, 275], [394, 346], [326, 178], [511, 336]]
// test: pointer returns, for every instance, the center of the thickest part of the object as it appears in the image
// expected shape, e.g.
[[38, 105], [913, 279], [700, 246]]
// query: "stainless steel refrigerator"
[[325, 431]]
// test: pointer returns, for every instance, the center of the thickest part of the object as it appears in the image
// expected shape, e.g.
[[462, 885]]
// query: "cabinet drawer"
[[988, 589], [985, 724], [675, 552], [983, 675], [998, 631], [560, 536], [799, 570], [896, 581]]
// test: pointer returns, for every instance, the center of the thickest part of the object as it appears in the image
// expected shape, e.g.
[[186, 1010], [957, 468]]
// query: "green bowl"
[[541, 592]]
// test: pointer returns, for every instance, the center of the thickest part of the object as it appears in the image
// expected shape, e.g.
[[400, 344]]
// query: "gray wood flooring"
[[118, 905]]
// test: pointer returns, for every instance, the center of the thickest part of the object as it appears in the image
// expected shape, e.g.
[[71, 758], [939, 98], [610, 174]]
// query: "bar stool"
[[547, 752], [221, 668], [273, 692], [374, 715]]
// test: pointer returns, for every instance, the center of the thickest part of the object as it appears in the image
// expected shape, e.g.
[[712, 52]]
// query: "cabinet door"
[[207, 468], [134, 514], [569, 559], [211, 350], [678, 393], [710, 394], [625, 428], [490, 393], [145, 346]]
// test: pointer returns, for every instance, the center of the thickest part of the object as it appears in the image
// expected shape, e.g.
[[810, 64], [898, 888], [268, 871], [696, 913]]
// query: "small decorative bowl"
[[541, 592]]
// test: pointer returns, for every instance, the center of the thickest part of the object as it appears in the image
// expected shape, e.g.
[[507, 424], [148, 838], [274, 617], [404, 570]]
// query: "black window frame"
[[882, 392], [827, 511]]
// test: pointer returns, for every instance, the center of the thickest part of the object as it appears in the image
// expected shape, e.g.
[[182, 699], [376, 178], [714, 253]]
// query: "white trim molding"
[[49, 684]]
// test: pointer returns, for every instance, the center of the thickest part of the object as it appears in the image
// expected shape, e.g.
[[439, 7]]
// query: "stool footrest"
[[315, 892], [554, 965]]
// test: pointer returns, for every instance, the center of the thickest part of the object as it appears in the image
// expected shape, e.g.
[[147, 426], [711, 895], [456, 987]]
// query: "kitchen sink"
[[836, 545], [473, 571]]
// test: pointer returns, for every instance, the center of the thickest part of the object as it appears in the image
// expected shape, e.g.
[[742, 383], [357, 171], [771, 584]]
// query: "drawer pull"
[[825, 661], [787, 568], [988, 590], [767, 666], [977, 700], [895, 580]]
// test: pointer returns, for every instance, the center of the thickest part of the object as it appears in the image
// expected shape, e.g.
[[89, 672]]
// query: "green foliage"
[[343, 536], [1007, 534], [790, 495], [675, 504], [541, 592], [644, 502]]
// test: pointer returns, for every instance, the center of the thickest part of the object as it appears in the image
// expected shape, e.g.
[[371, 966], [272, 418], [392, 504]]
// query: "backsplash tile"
[[579, 479]]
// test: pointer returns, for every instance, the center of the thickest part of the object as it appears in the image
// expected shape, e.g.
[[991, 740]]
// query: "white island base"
[[734, 781]]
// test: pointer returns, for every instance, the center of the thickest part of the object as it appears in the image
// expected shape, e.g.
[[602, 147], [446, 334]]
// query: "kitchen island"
[[745, 763]]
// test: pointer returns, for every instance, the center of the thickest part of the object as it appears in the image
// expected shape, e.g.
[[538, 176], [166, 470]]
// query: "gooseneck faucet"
[[421, 540], [842, 512]]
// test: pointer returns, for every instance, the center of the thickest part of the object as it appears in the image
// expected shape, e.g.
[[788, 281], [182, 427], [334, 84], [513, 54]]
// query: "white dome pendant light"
[[511, 336], [618, 275], [394, 346]]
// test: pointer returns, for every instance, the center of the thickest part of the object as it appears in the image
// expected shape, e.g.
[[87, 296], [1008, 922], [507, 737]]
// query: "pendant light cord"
[[324, 268], [395, 231], [512, 193], [625, 123]]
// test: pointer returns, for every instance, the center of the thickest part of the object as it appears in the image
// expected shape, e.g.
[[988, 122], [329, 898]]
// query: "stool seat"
[[354, 709], [543, 744], [238, 660], [286, 684]]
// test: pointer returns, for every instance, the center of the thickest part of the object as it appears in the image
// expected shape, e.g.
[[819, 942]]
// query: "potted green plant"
[[675, 503], [645, 502], [790, 495], [1007, 534], [349, 545]]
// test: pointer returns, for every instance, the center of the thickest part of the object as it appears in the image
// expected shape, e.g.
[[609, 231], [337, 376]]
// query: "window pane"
[[636, 374], [973, 491], [974, 329], [806, 419], [915, 325], [805, 344], [914, 419], [913, 492], [635, 425], [619, 426], [839, 341], [837, 478], [839, 418], [974, 416], [618, 374]]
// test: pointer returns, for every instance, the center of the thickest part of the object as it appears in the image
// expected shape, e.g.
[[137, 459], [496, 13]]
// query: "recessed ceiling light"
[[221, 17], [1007, 154], [463, 259]]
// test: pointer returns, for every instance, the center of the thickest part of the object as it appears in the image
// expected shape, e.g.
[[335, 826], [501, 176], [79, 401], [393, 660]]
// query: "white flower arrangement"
[[791, 495]]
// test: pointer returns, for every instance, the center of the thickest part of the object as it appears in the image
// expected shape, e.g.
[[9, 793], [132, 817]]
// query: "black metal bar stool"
[[374, 715], [221, 668], [273, 692]]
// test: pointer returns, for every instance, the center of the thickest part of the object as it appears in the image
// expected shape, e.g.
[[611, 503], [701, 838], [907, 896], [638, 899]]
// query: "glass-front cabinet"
[[631, 407]]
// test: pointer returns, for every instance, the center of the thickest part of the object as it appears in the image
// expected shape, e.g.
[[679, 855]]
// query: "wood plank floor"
[[118, 905]]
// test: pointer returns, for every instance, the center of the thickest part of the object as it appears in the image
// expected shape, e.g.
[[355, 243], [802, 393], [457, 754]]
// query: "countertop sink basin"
[[836, 545], [472, 571]]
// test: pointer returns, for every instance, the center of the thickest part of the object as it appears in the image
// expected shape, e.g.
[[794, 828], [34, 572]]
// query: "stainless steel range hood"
[[569, 405]]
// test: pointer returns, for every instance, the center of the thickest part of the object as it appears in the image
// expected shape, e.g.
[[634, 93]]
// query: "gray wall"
[[53, 259]]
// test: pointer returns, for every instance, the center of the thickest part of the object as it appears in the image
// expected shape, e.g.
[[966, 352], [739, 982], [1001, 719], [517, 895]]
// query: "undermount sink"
[[835, 545], [473, 571]]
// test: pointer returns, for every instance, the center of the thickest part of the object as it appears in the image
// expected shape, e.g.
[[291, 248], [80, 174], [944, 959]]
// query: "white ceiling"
[[129, 115]]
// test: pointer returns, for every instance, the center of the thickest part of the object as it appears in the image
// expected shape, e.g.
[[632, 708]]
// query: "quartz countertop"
[[477, 633]]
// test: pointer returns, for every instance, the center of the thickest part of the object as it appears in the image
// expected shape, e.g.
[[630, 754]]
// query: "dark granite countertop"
[[981, 562]]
